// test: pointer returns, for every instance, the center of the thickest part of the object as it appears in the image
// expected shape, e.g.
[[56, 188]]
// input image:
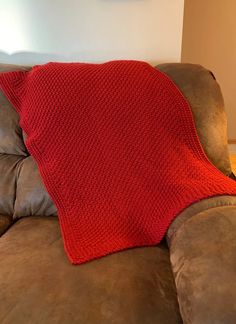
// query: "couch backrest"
[[202, 91], [21, 190]]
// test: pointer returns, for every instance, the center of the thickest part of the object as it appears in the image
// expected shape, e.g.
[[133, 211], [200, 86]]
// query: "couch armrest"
[[5, 222], [203, 258]]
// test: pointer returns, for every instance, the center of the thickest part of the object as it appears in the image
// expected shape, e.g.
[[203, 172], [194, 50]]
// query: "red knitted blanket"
[[117, 149]]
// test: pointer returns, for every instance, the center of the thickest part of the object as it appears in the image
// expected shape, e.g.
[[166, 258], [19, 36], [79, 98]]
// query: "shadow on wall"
[[32, 58]]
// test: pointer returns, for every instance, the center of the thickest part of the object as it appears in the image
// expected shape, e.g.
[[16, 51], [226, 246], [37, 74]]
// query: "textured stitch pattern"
[[117, 149]]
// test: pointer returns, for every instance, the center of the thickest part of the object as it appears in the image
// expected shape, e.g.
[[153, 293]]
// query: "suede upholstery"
[[31, 197], [134, 286], [196, 208], [204, 95], [5, 222], [205, 268], [39, 285]]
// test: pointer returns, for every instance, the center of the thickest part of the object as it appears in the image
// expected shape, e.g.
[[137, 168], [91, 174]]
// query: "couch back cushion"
[[22, 192], [202, 91]]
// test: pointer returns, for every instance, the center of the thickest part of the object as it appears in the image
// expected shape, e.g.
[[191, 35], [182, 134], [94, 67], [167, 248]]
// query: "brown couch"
[[190, 277]]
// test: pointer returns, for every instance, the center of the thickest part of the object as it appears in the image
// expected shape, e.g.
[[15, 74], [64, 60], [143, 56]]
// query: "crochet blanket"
[[117, 150]]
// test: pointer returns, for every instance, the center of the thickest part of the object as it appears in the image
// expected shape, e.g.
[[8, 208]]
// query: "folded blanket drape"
[[117, 149]]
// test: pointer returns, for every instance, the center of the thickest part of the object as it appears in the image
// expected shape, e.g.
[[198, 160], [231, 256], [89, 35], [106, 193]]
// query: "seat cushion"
[[39, 285]]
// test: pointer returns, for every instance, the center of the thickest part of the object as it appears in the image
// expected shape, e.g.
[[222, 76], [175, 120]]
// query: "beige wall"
[[209, 38], [33, 31]]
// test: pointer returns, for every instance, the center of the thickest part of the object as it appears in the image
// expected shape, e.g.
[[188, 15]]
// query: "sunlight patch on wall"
[[13, 37]]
